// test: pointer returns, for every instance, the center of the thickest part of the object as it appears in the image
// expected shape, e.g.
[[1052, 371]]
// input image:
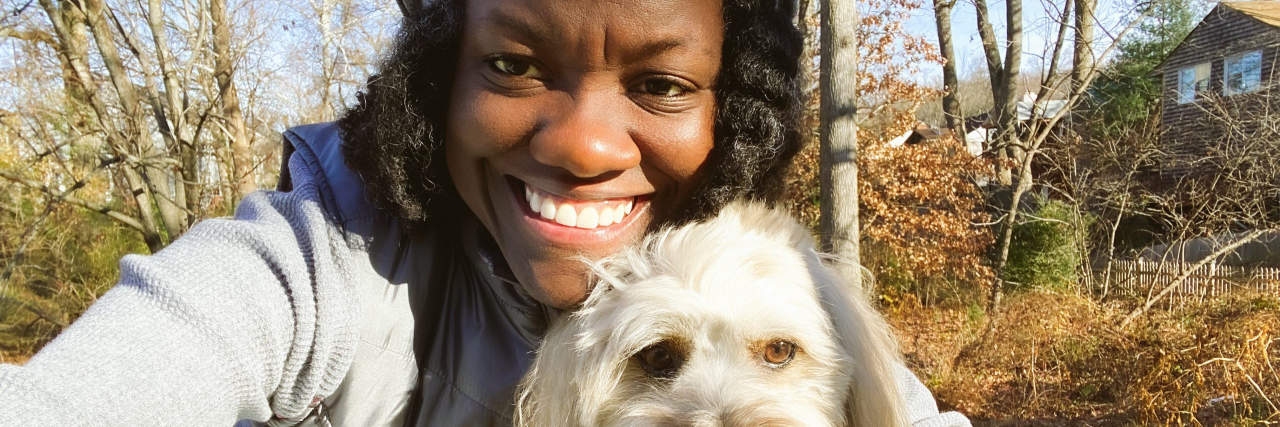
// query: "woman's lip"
[[518, 185], [573, 236]]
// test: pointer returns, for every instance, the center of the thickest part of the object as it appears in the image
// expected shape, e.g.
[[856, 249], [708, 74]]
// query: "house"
[[920, 133], [1029, 106], [1225, 65], [981, 127]]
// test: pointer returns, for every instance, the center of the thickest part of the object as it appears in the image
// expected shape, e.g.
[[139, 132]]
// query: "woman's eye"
[[779, 353], [515, 67], [663, 87]]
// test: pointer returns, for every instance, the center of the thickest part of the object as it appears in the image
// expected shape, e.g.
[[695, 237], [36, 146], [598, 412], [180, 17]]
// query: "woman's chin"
[[559, 293]]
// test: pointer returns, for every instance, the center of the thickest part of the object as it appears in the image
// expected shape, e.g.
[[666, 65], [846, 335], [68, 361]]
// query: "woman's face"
[[575, 124]]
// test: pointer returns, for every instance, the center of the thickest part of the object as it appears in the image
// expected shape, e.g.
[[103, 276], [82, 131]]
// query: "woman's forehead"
[[623, 27]]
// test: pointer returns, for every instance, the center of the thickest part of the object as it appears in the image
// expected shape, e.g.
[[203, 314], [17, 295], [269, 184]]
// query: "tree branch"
[[64, 197], [1187, 273]]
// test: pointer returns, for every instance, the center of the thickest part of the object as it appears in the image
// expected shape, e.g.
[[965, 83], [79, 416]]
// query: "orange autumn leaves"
[[922, 220], [922, 214]]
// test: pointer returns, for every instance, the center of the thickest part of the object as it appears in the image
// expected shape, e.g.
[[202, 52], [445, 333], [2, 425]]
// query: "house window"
[[1192, 80], [1242, 73]]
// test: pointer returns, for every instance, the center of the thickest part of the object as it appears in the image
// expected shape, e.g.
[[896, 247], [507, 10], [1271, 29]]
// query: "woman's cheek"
[[681, 143], [489, 124]]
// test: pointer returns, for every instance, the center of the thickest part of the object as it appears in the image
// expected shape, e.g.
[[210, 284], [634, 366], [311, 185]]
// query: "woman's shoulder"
[[313, 157]]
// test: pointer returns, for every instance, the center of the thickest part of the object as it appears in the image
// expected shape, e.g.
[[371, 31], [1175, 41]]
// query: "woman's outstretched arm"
[[245, 318]]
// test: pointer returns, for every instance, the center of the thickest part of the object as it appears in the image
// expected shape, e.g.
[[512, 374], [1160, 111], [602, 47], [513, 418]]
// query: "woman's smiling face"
[[575, 124]]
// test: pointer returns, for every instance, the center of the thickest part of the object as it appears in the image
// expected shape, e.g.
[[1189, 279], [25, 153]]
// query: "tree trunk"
[[1004, 82], [162, 177], [242, 162], [1111, 246], [1004, 78], [1007, 125], [173, 116], [74, 45], [328, 58], [990, 49], [809, 51], [1006, 234], [950, 81], [838, 169], [1083, 59]]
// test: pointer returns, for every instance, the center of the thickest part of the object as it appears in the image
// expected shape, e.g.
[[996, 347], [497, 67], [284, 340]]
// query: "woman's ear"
[[872, 351]]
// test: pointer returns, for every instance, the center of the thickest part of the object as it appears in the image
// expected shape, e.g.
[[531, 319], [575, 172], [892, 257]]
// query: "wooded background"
[[122, 123]]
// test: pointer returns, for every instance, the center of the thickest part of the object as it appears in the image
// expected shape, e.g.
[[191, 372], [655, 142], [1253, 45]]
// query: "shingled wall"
[[1186, 129]]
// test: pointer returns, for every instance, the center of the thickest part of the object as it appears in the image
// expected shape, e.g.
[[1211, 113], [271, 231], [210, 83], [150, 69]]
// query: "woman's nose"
[[586, 138]]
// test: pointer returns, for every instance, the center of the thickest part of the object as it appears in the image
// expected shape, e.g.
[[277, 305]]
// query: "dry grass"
[[1059, 359]]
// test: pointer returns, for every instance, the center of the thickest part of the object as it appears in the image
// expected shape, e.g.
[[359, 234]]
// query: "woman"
[[417, 248]]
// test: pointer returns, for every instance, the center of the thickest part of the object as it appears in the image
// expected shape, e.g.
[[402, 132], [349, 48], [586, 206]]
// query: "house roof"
[[922, 132], [1266, 11], [1027, 108]]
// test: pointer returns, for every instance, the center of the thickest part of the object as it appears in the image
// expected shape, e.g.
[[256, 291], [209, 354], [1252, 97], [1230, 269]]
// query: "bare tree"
[[1017, 141], [838, 170], [951, 105], [1003, 74], [343, 39], [148, 119], [242, 162], [147, 115]]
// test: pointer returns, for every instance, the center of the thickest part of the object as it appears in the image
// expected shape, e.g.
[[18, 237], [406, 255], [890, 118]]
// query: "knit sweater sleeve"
[[244, 318]]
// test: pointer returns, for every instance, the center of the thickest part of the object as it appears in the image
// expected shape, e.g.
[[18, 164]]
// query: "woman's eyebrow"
[[530, 32], [654, 48], [521, 28]]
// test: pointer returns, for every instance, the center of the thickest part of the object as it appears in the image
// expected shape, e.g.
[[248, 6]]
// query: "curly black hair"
[[394, 136]]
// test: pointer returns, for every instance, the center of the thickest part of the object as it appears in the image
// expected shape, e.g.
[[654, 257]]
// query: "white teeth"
[[566, 216], [535, 201], [588, 218], [548, 209], [545, 205], [606, 217]]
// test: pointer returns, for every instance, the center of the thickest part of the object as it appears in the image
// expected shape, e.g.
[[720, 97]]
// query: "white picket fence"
[[1145, 279]]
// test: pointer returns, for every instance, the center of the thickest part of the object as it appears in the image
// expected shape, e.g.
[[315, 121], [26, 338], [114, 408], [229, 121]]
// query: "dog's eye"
[[779, 353], [660, 360]]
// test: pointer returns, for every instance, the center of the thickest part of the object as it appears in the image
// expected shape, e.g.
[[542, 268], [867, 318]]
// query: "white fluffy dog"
[[730, 322]]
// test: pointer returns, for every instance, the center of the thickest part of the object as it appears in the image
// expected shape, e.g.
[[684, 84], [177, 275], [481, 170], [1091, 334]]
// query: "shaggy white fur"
[[730, 322]]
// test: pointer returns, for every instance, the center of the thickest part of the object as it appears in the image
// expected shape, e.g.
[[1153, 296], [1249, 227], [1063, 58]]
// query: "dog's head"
[[733, 321]]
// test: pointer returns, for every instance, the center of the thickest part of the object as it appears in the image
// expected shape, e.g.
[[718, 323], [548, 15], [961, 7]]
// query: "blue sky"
[[1039, 19]]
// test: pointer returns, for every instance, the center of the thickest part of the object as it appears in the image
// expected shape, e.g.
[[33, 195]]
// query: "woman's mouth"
[[585, 214], [557, 214]]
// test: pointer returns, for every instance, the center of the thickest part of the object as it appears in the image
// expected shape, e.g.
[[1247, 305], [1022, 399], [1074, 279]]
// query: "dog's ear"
[[543, 396], [874, 398], [577, 368]]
